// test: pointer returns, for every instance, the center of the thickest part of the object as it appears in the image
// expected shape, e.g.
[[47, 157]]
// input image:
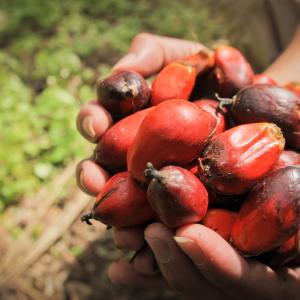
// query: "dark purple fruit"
[[123, 93]]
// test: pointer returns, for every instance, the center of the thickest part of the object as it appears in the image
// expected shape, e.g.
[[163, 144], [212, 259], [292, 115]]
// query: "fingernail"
[[88, 126], [185, 244], [182, 240], [162, 251], [126, 60], [81, 182]]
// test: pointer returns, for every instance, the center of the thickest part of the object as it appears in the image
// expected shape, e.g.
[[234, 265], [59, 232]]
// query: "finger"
[[144, 263], [90, 177], [129, 238], [122, 272], [93, 120], [175, 266], [149, 53], [220, 264]]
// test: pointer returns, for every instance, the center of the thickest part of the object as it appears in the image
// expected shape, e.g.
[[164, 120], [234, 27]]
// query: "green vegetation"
[[51, 53]]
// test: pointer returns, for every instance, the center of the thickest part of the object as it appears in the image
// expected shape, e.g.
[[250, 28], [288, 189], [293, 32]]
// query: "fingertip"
[[91, 177], [93, 120], [130, 238], [122, 272], [115, 272], [156, 230]]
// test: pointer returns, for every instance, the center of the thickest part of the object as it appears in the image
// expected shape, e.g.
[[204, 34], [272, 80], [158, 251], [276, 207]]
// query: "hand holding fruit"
[[208, 265]]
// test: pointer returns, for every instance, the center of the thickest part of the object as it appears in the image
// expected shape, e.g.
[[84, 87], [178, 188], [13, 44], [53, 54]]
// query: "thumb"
[[224, 267], [149, 53]]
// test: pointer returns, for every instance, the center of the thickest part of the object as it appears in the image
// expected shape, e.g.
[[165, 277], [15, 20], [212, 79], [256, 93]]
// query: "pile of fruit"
[[210, 142]]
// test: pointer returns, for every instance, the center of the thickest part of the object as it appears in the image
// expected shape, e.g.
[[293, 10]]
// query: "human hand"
[[147, 55], [199, 263]]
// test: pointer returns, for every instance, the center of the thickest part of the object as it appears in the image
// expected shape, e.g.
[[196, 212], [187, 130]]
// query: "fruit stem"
[[151, 172], [223, 102], [87, 217]]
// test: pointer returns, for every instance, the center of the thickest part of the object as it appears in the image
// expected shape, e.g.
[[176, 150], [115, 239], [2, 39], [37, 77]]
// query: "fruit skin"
[[176, 195], [123, 93], [263, 79], [111, 151], [177, 79], [122, 202], [270, 214], [269, 103], [174, 132], [287, 158], [211, 106], [241, 156], [281, 256], [232, 71], [174, 81], [220, 220], [202, 61]]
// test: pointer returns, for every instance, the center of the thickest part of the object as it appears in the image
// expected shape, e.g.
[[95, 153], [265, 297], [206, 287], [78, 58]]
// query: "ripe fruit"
[[122, 202], [123, 93], [211, 106], [174, 81], [287, 158], [176, 195], [175, 131], [220, 220], [241, 156], [202, 61], [111, 151], [231, 73], [271, 213], [287, 251], [269, 103]]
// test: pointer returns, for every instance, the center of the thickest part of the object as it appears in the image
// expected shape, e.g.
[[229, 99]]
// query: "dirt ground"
[[66, 260]]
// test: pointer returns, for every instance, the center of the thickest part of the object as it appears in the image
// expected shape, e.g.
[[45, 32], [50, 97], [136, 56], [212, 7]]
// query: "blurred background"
[[51, 53]]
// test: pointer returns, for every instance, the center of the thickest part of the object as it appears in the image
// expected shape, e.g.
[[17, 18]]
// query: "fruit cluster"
[[205, 144]]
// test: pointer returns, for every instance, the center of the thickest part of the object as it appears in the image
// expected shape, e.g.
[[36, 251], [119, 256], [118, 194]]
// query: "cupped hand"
[[147, 55], [194, 260]]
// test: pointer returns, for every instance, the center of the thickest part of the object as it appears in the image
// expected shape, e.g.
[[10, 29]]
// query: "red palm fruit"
[[175, 131], [175, 81], [211, 106], [176, 195], [287, 158], [220, 220], [232, 71], [270, 214], [241, 156], [202, 61], [123, 93], [122, 202], [293, 86], [111, 151], [281, 256], [268, 103], [263, 79]]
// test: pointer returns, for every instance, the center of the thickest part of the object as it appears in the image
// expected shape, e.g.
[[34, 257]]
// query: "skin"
[[209, 267]]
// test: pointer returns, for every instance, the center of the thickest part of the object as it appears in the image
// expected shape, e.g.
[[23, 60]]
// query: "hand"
[[147, 55], [197, 262]]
